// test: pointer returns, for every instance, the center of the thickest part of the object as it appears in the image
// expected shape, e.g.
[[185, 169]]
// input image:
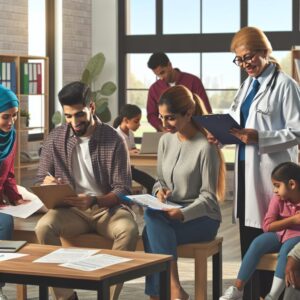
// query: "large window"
[[196, 35], [36, 47]]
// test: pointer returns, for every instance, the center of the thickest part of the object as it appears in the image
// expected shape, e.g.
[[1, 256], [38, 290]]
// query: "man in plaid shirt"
[[93, 158]]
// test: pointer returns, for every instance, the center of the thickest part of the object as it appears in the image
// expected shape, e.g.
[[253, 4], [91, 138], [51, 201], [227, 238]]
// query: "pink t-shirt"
[[278, 210]]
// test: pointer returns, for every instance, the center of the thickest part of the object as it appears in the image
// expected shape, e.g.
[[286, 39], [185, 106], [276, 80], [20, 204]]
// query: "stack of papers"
[[150, 201], [81, 259]]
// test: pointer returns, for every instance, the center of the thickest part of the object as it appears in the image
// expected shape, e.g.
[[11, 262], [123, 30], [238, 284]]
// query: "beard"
[[82, 130]]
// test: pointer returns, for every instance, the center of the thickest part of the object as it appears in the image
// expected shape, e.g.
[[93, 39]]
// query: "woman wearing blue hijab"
[[8, 115]]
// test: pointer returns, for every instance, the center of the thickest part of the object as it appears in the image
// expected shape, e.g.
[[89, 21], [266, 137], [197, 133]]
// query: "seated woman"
[[191, 172], [8, 115]]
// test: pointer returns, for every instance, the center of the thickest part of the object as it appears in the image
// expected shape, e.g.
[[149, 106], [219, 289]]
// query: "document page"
[[95, 262], [22, 211], [150, 201], [7, 256], [65, 255]]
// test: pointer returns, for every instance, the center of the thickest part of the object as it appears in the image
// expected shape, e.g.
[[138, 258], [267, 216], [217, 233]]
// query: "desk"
[[143, 160], [24, 271]]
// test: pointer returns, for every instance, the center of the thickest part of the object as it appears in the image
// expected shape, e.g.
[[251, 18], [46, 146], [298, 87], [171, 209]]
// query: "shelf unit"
[[36, 103]]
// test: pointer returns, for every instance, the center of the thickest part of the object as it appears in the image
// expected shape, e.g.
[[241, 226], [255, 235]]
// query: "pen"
[[50, 174]]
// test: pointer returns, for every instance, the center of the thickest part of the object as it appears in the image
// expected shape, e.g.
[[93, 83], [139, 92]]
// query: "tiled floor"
[[135, 289]]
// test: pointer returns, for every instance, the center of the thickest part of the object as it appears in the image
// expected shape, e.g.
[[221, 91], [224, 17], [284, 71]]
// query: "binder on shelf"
[[24, 79], [13, 77], [39, 78]]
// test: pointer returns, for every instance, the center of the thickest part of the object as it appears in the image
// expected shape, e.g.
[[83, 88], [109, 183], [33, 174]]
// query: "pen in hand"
[[50, 179]]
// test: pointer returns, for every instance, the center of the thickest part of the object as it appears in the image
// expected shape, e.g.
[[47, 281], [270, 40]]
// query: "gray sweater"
[[190, 170]]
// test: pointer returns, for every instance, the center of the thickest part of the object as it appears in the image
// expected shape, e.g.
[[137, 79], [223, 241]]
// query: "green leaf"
[[105, 116], [56, 118], [95, 65], [101, 105], [86, 77], [108, 88]]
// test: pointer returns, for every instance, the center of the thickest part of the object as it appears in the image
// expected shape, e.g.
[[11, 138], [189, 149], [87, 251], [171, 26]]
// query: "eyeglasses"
[[247, 59]]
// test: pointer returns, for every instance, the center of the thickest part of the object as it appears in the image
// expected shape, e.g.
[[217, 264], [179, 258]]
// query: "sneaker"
[[232, 293], [2, 296], [268, 297]]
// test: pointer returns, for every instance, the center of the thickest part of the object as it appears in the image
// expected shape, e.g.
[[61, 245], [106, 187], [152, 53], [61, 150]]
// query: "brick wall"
[[77, 33], [13, 24]]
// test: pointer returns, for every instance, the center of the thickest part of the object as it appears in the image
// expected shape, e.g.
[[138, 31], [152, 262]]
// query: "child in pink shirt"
[[281, 232]]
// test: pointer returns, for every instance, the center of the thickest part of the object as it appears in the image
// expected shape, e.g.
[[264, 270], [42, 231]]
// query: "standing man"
[[168, 76], [93, 158]]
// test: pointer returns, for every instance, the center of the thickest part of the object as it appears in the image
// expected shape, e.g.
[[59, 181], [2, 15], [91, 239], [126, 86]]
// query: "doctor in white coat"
[[271, 131], [270, 134]]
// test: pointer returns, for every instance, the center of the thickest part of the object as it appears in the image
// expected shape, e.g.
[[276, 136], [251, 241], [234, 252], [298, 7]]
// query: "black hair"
[[128, 111], [75, 92], [286, 171], [158, 59]]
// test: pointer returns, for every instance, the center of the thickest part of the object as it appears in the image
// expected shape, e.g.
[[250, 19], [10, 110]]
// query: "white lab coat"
[[276, 116]]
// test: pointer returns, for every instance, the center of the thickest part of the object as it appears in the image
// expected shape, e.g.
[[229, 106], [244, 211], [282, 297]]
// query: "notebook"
[[11, 246], [150, 142]]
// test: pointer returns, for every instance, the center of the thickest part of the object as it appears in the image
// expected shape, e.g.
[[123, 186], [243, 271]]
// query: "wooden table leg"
[[21, 292]]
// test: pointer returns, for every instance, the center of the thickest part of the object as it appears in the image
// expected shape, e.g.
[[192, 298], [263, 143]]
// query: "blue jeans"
[[162, 235], [6, 226], [266, 243], [6, 229]]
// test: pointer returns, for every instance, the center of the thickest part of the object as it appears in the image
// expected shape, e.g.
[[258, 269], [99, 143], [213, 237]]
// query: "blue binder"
[[219, 125]]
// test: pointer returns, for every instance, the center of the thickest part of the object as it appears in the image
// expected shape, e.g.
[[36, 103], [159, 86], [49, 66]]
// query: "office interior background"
[[196, 34]]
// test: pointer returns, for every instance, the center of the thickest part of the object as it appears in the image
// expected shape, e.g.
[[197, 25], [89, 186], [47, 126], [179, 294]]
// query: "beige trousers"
[[116, 224]]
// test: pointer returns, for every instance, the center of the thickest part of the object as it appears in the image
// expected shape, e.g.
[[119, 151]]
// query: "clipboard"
[[219, 125], [53, 194]]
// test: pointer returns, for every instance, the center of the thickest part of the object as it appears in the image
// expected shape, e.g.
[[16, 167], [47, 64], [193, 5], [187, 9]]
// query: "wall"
[[13, 24], [105, 39], [77, 28]]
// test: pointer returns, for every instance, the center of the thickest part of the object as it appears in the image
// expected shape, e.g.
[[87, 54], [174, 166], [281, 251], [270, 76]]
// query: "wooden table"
[[24, 271], [143, 160]]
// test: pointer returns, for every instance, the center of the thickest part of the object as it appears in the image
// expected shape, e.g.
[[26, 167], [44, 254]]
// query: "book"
[[52, 195], [219, 125], [149, 201], [11, 246]]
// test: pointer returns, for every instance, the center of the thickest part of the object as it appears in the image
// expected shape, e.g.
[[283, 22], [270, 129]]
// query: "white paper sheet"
[[95, 262], [7, 256], [24, 210], [151, 202], [64, 255]]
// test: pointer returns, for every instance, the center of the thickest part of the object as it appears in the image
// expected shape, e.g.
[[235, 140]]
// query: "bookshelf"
[[28, 77]]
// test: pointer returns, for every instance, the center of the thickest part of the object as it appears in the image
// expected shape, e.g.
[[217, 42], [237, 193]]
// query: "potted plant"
[[100, 95], [24, 118]]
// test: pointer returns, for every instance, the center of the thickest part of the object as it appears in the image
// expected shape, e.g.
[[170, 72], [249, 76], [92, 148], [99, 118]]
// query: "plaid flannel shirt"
[[108, 151]]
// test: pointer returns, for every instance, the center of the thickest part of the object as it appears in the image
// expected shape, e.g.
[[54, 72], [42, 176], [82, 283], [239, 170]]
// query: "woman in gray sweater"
[[191, 173]]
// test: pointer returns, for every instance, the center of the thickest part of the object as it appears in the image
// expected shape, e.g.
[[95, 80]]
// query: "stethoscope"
[[269, 88]]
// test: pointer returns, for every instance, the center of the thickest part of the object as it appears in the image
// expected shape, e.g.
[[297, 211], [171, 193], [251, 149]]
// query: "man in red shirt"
[[168, 76]]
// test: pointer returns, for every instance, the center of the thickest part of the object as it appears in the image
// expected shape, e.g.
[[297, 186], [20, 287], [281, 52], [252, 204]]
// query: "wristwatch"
[[94, 200]]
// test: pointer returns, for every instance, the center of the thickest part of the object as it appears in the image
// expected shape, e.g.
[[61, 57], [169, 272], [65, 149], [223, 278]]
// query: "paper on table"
[[65, 255], [150, 201], [95, 262], [7, 256]]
